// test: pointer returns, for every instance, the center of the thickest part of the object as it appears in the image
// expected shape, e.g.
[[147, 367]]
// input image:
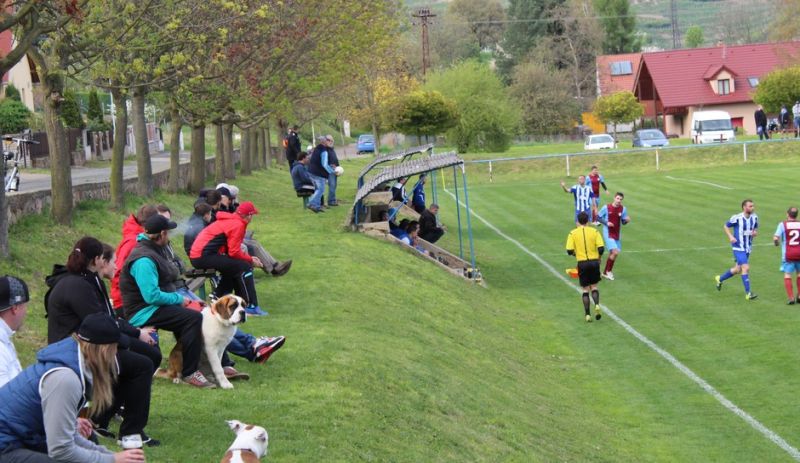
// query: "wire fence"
[[635, 160]]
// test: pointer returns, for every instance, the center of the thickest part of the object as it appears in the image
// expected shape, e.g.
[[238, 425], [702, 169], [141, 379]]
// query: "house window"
[[621, 68], [753, 81], [723, 86]]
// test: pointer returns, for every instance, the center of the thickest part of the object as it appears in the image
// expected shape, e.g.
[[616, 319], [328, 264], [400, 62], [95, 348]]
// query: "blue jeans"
[[332, 189], [242, 345], [319, 183]]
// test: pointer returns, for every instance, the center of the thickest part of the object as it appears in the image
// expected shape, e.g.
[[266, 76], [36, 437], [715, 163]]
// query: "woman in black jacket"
[[77, 290]]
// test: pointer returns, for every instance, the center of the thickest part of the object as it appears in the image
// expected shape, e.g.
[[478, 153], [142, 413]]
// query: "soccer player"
[[613, 216], [596, 180], [583, 197], [788, 237], [586, 245], [745, 228]]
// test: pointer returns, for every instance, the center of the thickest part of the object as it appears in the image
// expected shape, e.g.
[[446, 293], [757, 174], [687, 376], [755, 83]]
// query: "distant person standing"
[[333, 161], [292, 145], [796, 114], [787, 236], [418, 195], [745, 228], [320, 171], [761, 123], [584, 197], [785, 120], [587, 246]]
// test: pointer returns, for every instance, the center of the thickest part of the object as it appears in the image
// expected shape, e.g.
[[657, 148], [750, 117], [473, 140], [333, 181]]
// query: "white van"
[[712, 127]]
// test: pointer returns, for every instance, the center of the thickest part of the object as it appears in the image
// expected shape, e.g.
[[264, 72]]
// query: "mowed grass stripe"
[[495, 207]]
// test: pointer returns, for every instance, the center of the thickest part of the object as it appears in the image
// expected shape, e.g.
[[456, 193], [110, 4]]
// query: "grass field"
[[391, 359]]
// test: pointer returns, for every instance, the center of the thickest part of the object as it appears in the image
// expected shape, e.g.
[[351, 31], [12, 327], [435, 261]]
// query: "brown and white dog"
[[219, 325], [250, 444]]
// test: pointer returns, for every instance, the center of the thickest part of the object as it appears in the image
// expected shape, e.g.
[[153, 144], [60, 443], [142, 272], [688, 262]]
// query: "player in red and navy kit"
[[788, 237], [596, 180], [613, 216]]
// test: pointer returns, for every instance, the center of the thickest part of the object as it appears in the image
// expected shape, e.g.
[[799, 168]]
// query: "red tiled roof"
[[611, 84], [715, 69], [680, 75]]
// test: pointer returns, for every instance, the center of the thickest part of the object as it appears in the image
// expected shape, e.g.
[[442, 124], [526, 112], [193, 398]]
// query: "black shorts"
[[589, 272]]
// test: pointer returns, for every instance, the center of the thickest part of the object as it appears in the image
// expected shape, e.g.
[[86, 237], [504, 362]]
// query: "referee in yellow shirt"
[[586, 244]]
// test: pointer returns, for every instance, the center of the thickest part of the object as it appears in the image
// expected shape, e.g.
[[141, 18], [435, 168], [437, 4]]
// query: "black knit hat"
[[158, 223], [13, 291], [99, 328]]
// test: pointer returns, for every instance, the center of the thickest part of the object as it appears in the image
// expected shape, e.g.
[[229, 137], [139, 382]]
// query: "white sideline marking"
[[709, 248], [699, 181], [732, 407]]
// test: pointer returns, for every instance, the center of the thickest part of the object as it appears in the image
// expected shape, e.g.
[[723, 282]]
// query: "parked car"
[[365, 144], [601, 141], [649, 137]]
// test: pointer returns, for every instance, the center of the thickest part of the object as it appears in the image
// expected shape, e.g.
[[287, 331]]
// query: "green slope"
[[391, 359]]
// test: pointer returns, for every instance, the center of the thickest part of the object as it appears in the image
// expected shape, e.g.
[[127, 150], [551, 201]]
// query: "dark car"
[[649, 137]]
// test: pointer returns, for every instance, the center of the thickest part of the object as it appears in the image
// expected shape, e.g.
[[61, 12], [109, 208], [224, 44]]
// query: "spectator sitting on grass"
[[77, 291], [39, 417], [14, 297], [302, 181], [131, 228], [429, 228], [197, 222]]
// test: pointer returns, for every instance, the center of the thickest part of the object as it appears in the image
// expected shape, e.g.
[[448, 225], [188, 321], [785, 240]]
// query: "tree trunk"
[[268, 146], [175, 150], [118, 151], [144, 181], [253, 151], [376, 134], [197, 176], [245, 168], [52, 87], [219, 155], [227, 147], [259, 153]]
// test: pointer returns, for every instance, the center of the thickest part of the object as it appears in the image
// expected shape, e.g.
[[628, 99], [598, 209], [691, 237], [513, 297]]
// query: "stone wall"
[[36, 202]]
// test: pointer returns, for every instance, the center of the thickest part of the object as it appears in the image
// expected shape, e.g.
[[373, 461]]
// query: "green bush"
[[13, 116], [12, 93], [71, 111], [97, 126], [94, 112]]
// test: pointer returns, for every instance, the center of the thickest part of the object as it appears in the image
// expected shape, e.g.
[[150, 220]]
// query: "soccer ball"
[[339, 170]]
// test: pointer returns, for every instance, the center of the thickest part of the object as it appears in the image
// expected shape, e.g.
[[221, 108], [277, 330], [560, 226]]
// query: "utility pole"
[[423, 15], [676, 33]]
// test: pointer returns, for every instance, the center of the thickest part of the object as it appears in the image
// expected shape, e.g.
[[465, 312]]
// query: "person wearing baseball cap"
[[219, 246], [14, 299], [150, 297], [39, 416]]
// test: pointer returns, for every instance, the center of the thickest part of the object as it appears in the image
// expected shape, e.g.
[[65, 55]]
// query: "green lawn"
[[391, 359]]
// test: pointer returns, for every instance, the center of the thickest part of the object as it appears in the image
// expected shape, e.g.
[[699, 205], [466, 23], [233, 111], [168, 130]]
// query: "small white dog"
[[250, 444]]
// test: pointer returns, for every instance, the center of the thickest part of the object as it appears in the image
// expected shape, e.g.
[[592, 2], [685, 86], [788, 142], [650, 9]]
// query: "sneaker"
[[197, 379], [316, 210], [608, 275], [255, 311], [333, 204], [750, 296], [233, 374], [597, 314], [719, 283], [265, 347], [588, 318], [790, 302], [146, 441], [282, 268], [104, 432], [149, 441]]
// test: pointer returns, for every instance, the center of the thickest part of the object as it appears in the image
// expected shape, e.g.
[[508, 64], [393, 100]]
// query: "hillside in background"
[[733, 21]]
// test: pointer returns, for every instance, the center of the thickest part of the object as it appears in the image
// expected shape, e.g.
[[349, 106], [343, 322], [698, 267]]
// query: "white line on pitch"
[[699, 181], [732, 407]]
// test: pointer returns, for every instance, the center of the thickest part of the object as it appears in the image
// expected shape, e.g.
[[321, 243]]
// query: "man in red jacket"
[[219, 246]]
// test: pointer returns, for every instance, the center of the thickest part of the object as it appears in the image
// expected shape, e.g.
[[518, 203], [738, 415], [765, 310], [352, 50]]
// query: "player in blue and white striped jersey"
[[584, 202], [741, 229]]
